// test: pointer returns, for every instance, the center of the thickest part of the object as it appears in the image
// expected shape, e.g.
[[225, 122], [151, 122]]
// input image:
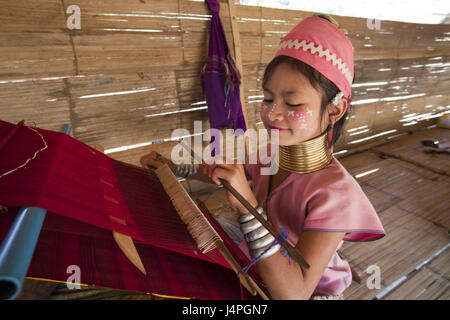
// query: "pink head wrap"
[[323, 46]]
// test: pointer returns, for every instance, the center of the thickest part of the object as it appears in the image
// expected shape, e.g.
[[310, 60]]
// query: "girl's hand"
[[155, 160], [234, 174]]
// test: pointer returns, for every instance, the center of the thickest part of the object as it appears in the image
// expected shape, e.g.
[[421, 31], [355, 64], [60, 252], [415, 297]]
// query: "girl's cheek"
[[300, 118], [263, 111]]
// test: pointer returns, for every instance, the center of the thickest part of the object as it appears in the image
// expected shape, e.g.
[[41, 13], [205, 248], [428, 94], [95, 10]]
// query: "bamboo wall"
[[130, 75]]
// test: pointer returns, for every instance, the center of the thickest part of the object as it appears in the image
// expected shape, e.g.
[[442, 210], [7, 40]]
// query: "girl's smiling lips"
[[276, 128]]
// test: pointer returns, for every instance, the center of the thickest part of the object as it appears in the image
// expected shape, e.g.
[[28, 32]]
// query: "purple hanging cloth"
[[221, 78]]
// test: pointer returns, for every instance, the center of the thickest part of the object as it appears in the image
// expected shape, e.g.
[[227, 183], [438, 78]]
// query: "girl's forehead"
[[288, 81], [286, 92]]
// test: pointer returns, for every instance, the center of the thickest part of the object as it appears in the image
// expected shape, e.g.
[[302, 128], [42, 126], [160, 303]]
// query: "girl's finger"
[[227, 163], [145, 159], [219, 173], [232, 167], [224, 161], [152, 159], [211, 168]]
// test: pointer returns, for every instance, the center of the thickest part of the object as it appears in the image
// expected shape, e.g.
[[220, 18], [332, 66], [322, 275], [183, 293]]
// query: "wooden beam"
[[238, 59]]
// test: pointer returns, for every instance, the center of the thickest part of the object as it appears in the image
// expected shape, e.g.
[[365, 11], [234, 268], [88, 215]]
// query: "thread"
[[278, 240], [29, 159]]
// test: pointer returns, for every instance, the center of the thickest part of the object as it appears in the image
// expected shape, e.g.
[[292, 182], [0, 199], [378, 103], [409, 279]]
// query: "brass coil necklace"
[[307, 156]]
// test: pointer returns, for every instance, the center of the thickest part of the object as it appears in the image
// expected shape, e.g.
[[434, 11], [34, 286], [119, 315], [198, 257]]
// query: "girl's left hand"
[[234, 174]]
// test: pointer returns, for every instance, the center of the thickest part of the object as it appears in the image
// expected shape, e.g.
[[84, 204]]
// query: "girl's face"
[[292, 106]]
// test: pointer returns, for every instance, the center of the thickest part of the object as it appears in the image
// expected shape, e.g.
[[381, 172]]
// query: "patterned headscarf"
[[320, 44]]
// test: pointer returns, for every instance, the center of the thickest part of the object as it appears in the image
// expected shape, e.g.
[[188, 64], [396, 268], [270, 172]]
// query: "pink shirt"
[[326, 200]]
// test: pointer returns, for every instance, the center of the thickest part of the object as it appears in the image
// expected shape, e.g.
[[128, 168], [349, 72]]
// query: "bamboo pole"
[[238, 59]]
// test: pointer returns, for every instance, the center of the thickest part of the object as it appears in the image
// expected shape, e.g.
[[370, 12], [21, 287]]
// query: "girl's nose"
[[276, 112]]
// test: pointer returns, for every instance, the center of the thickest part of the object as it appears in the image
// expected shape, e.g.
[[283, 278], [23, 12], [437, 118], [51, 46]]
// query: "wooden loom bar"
[[245, 279]]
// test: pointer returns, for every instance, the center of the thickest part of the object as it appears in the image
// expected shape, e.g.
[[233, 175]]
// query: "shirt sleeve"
[[338, 204]]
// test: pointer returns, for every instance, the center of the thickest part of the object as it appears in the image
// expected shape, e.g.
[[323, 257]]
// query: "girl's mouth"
[[276, 128]]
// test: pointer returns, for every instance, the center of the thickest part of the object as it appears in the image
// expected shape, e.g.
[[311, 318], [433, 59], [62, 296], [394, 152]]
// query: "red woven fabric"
[[87, 194]]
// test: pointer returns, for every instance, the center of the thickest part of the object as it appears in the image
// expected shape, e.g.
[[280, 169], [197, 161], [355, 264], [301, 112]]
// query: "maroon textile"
[[87, 194]]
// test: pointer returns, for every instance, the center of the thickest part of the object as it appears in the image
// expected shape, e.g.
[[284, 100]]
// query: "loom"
[[17, 250], [87, 195]]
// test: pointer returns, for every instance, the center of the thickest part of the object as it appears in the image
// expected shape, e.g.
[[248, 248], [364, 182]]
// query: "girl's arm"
[[291, 281], [283, 280]]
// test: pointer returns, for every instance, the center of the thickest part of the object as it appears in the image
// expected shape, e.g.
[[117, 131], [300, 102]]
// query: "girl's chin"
[[286, 137], [290, 141]]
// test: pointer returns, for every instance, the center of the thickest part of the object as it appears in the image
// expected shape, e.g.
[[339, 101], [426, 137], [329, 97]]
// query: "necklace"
[[307, 156]]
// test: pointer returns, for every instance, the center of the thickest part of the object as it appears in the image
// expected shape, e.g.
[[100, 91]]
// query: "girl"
[[312, 197]]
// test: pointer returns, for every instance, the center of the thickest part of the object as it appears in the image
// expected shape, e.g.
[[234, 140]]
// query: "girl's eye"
[[290, 105]]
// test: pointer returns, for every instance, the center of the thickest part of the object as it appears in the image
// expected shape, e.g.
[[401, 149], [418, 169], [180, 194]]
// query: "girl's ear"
[[336, 112]]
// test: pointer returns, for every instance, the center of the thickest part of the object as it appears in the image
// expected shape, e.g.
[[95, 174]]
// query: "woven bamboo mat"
[[414, 207], [411, 148]]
